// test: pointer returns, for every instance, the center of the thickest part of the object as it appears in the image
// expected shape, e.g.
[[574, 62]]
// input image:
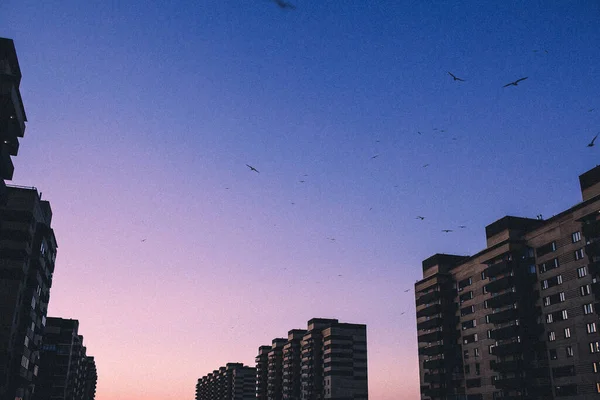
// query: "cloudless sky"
[[143, 116]]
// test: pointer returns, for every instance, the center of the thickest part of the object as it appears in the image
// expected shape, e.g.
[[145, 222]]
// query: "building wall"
[[526, 312]]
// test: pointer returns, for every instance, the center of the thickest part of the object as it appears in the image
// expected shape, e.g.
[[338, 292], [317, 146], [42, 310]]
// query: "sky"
[[176, 258]]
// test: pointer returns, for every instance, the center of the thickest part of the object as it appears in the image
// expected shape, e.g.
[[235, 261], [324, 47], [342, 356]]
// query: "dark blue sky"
[[143, 116]]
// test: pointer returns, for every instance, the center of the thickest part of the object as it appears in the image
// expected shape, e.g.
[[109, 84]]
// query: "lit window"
[[551, 336], [26, 341], [588, 308], [562, 296], [547, 301], [565, 315], [581, 272], [594, 347], [569, 351], [579, 254], [476, 352], [559, 279], [549, 318], [596, 365], [585, 290], [597, 387], [545, 284], [591, 327], [576, 237], [567, 332]]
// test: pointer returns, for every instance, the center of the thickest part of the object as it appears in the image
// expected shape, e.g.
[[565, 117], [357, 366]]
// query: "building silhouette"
[[27, 255], [326, 361], [12, 113], [519, 319], [66, 372], [231, 382]]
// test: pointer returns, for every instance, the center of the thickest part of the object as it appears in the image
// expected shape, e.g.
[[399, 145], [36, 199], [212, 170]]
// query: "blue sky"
[[142, 118]]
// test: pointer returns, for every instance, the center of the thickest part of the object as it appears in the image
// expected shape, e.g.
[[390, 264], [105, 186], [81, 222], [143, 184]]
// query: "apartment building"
[[27, 256], [231, 382], [519, 319], [328, 360], [12, 113], [66, 372]]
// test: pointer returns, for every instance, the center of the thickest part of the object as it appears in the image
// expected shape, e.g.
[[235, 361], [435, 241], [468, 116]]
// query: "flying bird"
[[332, 239], [419, 132], [591, 144], [455, 77], [462, 226], [426, 165], [407, 290], [252, 168], [143, 240], [284, 4], [419, 217], [375, 156], [447, 230], [402, 313], [515, 83], [301, 181]]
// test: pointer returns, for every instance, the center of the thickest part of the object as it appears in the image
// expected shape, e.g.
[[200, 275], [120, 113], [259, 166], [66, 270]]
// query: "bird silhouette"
[[284, 4], [591, 109], [252, 168], [143, 240], [515, 83], [331, 239], [419, 132], [407, 290], [402, 313], [426, 165], [455, 77], [302, 181], [591, 144], [447, 230], [375, 156], [419, 217], [462, 226]]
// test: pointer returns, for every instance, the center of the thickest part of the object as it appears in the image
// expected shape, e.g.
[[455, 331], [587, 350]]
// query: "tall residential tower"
[[519, 319]]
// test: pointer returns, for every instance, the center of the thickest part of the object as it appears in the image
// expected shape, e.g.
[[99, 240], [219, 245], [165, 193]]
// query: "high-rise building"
[[326, 361], [12, 113], [292, 365], [262, 372], [519, 319], [232, 382], [27, 255], [66, 372]]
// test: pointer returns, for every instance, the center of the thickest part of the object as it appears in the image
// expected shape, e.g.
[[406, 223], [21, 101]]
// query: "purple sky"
[[142, 118]]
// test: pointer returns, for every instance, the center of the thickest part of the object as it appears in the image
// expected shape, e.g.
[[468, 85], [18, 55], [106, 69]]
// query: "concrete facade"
[[518, 320]]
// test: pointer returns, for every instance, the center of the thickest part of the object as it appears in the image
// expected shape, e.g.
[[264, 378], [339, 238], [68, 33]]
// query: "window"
[[591, 327], [464, 283], [585, 290], [545, 284], [475, 337], [562, 296], [483, 275], [594, 347], [25, 362], [476, 352], [581, 272], [489, 334], [491, 348], [579, 254], [484, 289], [597, 387], [576, 237], [569, 351], [26, 341], [467, 310], [549, 318], [469, 324], [567, 332], [551, 336], [565, 315], [553, 354], [466, 354], [596, 365], [588, 308], [559, 279], [547, 301]]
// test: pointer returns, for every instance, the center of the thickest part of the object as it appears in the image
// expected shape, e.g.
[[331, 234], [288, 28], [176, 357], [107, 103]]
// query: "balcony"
[[430, 323], [429, 310], [505, 332], [507, 349], [591, 230], [497, 269], [6, 166], [434, 378], [429, 297], [500, 284], [431, 350], [502, 300], [503, 316], [430, 337], [433, 364], [593, 249], [509, 383], [506, 366], [11, 108]]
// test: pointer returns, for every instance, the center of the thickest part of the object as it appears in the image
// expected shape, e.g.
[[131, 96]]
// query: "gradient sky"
[[142, 116]]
